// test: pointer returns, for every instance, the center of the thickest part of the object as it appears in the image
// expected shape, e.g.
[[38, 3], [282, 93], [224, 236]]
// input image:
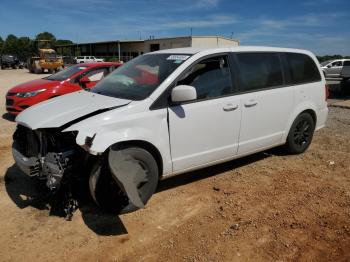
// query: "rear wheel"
[[300, 134], [106, 190]]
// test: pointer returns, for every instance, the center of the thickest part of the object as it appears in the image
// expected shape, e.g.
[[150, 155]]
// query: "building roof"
[[140, 41], [192, 36], [103, 42], [194, 50]]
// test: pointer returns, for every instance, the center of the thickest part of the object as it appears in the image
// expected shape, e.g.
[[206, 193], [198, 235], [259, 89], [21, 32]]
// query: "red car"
[[71, 79]]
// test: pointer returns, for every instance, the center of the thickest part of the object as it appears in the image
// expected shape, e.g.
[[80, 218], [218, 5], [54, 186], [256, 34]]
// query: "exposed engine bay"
[[54, 157], [50, 155]]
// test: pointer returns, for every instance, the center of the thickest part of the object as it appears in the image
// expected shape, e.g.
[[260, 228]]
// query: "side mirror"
[[84, 80], [183, 93], [329, 66]]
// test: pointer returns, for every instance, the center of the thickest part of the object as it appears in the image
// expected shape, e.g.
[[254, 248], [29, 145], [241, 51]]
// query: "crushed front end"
[[52, 156]]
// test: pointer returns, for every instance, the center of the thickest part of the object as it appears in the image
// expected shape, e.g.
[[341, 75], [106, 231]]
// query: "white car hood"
[[59, 111]]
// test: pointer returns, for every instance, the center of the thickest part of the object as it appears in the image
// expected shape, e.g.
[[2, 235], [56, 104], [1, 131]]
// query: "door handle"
[[230, 107], [250, 103]]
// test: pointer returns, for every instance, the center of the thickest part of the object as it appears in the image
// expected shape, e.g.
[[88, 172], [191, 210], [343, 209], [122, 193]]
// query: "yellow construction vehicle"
[[45, 60]]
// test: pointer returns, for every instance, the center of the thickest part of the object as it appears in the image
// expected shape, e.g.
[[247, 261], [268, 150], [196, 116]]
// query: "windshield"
[[50, 55], [8, 57], [138, 78], [66, 73], [325, 63]]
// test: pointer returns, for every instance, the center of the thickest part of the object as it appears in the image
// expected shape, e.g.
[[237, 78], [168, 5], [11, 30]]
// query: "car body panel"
[[193, 123], [345, 73], [50, 114], [53, 88], [258, 129], [132, 122]]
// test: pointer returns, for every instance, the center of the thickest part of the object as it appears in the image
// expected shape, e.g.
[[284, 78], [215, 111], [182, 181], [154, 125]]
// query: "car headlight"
[[30, 94]]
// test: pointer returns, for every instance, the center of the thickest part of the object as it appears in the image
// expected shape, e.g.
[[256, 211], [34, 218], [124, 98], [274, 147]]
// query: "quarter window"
[[211, 78], [98, 74], [302, 69], [94, 75], [259, 70]]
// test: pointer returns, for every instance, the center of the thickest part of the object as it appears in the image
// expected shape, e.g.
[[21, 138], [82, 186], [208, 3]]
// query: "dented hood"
[[61, 110]]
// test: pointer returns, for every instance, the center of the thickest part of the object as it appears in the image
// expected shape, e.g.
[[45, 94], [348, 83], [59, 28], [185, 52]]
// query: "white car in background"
[[87, 59], [170, 112], [333, 68]]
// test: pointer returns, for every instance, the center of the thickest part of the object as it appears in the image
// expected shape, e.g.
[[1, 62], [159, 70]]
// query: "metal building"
[[125, 50]]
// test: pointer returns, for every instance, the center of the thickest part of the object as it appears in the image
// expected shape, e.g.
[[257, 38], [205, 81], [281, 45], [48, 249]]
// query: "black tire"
[[105, 190], [300, 134]]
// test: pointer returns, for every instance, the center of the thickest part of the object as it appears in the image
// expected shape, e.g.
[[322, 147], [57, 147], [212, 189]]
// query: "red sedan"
[[71, 79]]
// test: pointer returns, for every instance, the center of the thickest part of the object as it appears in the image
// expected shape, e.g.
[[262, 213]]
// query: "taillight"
[[326, 89]]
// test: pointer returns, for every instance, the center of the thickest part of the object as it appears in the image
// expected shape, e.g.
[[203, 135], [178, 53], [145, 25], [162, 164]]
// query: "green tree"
[[63, 42], [330, 57], [1, 44], [10, 45], [24, 48], [50, 38], [63, 51]]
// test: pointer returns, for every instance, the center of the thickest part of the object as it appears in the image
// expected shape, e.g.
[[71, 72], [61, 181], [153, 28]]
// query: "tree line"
[[331, 57], [25, 47]]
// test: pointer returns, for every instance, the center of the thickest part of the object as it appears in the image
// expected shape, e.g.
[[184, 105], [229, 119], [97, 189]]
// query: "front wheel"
[[300, 134], [110, 182]]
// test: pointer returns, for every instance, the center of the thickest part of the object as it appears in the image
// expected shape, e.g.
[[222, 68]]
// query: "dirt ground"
[[265, 207]]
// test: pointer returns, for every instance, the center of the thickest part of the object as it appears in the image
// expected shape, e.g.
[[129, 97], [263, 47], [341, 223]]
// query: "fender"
[[150, 128]]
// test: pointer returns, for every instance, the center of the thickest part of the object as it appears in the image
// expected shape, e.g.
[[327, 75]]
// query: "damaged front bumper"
[[28, 165], [46, 154], [54, 157]]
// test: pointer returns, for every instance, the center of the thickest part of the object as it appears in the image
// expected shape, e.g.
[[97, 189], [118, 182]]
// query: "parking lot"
[[265, 207]]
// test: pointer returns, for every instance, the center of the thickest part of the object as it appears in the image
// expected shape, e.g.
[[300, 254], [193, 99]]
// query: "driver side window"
[[211, 77], [337, 63]]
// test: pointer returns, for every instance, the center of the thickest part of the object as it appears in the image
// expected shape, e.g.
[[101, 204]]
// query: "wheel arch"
[[152, 149], [304, 108], [312, 113]]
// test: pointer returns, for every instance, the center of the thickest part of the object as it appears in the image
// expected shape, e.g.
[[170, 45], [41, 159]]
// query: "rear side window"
[[346, 63], [259, 70], [302, 69]]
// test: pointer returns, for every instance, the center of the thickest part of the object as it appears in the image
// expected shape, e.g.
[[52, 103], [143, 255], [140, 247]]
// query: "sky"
[[322, 26]]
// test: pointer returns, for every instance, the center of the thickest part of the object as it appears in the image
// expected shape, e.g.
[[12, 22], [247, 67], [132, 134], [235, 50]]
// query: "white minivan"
[[169, 112]]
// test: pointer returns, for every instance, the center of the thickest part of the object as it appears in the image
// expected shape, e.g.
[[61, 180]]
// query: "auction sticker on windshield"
[[178, 57]]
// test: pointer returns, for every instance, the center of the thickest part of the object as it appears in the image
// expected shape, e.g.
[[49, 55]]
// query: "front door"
[[335, 69], [205, 130]]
